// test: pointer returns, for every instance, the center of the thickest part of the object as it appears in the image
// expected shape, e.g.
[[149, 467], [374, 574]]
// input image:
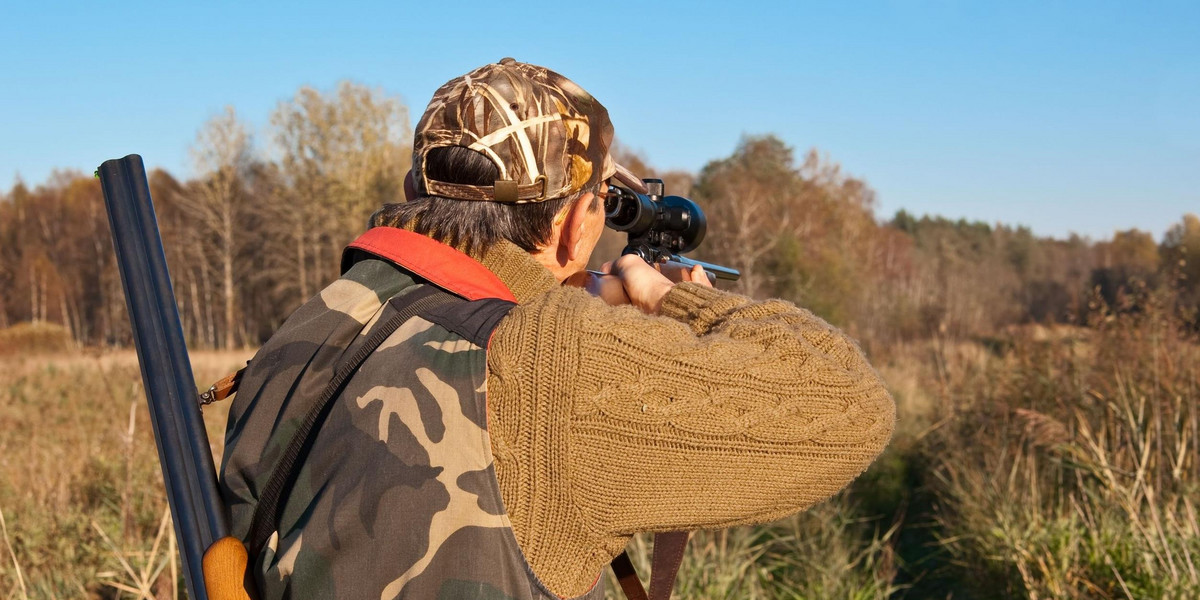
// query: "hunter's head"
[[512, 151]]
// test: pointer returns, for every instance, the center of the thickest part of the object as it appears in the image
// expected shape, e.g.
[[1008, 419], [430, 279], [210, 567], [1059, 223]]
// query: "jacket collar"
[[505, 271]]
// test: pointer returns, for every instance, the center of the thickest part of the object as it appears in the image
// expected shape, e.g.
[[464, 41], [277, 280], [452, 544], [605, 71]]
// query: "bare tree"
[[342, 156], [222, 156]]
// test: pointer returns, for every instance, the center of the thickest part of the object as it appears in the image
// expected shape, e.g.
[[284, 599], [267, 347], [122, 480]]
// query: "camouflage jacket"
[[397, 497]]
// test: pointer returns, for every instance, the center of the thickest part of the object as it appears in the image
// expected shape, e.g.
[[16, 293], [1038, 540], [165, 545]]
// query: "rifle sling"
[[267, 513], [223, 388], [668, 556], [628, 578]]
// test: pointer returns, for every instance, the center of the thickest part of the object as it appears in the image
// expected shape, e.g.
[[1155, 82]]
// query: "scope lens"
[[611, 205], [620, 208]]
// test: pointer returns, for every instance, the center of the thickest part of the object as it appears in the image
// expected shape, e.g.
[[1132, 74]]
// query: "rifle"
[[660, 228], [214, 563]]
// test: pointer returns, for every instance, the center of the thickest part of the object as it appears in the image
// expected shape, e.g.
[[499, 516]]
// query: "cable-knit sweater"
[[719, 411]]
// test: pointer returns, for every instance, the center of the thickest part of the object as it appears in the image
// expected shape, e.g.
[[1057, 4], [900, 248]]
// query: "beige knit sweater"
[[720, 411]]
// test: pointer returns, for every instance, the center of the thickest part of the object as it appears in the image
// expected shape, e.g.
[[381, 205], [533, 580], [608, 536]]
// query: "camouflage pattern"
[[545, 133], [398, 497]]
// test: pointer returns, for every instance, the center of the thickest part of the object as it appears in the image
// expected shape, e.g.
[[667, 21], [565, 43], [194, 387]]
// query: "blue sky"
[[1062, 116]]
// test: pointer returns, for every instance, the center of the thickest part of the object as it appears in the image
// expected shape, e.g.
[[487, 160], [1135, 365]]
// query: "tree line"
[[252, 234], [259, 228]]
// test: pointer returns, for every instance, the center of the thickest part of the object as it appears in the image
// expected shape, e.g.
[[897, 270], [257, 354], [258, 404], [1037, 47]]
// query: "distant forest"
[[261, 226]]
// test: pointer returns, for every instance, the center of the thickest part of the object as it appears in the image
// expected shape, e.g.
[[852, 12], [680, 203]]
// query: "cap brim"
[[630, 180]]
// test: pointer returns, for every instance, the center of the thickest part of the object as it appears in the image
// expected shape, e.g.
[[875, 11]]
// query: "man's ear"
[[410, 188], [571, 238]]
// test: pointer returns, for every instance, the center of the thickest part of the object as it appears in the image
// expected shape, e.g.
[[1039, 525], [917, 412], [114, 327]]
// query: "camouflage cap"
[[548, 137]]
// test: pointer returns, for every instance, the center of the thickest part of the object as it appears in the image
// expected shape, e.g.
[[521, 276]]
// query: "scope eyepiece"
[[626, 210]]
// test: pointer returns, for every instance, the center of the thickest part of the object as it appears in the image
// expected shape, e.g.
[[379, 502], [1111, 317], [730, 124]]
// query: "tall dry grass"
[[1040, 463], [80, 486], [1070, 466], [826, 552]]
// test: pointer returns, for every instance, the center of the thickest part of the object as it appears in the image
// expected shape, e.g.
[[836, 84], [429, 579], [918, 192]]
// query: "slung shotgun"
[[213, 563]]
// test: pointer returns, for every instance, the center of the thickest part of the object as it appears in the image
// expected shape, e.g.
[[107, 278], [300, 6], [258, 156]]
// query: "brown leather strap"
[[668, 556], [223, 388], [628, 578]]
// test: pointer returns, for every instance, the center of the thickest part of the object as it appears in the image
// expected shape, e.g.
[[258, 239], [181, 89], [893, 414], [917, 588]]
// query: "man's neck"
[[524, 275]]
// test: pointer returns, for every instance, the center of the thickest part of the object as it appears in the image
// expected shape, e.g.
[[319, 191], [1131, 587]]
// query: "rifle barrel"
[[717, 271], [179, 433]]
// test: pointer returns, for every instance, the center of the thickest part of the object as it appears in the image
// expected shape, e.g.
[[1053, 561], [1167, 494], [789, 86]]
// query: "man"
[[507, 444]]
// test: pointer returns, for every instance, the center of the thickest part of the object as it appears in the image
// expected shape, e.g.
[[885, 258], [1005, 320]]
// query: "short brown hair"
[[474, 226]]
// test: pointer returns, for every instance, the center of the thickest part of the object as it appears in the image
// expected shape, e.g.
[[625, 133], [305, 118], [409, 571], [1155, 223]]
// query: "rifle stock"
[[199, 516]]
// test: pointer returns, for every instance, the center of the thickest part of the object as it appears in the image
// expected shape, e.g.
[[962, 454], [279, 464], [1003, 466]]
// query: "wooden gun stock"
[[225, 570]]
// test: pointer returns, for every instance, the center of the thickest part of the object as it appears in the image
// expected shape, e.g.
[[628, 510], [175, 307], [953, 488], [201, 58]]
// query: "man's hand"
[[646, 285], [643, 284], [629, 280], [605, 287], [679, 272]]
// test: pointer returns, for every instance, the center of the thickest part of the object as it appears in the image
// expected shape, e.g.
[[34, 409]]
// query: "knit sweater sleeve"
[[720, 411]]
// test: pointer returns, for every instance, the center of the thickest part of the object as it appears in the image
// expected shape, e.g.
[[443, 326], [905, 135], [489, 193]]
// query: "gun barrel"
[[179, 432], [718, 271]]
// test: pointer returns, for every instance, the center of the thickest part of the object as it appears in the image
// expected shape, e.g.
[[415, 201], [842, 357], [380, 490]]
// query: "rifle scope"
[[657, 225]]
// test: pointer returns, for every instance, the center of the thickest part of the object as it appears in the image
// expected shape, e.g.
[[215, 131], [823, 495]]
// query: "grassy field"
[[1040, 463], [80, 487]]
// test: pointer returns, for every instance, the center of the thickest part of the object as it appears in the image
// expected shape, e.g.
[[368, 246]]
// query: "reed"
[[1079, 475]]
